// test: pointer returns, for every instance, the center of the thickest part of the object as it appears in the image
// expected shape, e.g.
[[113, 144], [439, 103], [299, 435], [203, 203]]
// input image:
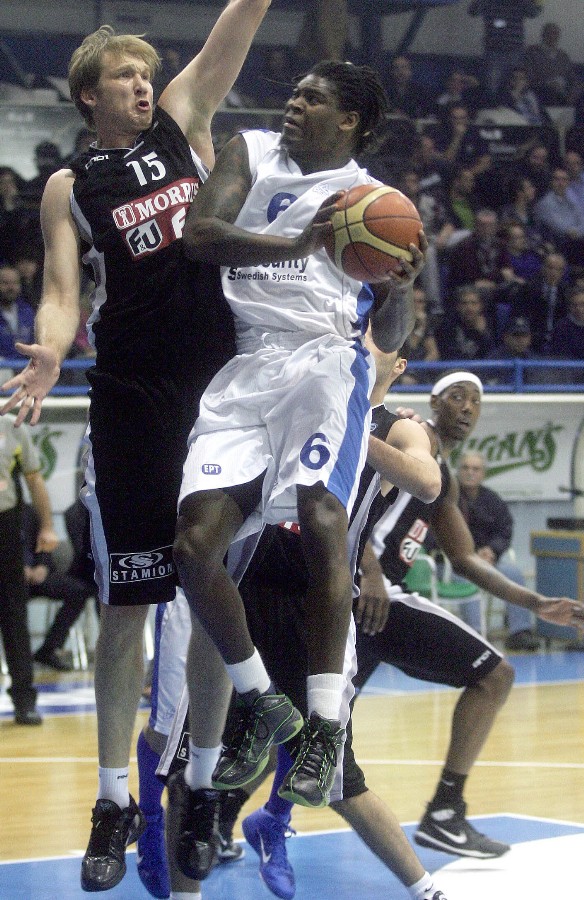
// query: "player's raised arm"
[[58, 316], [193, 97]]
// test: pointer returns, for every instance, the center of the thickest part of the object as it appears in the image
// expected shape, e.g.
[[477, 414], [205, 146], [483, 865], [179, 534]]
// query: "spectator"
[[11, 212], [536, 166], [515, 344], [519, 262], [434, 173], [275, 79], [460, 89], [170, 68], [438, 230], [43, 578], [406, 97], [461, 203], [503, 35], [575, 168], [459, 143], [516, 94], [567, 340], [478, 258], [561, 218], [27, 260], [84, 138], [48, 160], [550, 69], [16, 315], [520, 209], [491, 525], [18, 455], [323, 34], [420, 346], [465, 334], [542, 300]]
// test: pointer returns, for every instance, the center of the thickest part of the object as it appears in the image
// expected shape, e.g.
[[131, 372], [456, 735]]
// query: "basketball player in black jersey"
[[274, 588], [159, 336], [401, 629]]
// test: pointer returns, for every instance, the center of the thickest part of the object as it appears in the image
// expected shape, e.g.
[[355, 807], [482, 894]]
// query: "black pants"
[[13, 613], [74, 593]]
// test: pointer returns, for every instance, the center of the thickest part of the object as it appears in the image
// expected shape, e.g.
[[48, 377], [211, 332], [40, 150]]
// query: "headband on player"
[[455, 378]]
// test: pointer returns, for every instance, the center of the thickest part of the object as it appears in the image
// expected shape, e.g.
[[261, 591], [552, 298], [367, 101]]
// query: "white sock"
[[199, 769], [423, 889], [325, 694], [249, 675], [185, 895], [113, 785]]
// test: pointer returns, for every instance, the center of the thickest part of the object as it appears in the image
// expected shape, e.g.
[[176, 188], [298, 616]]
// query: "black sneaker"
[[449, 830], [230, 803], [52, 659], [311, 777], [263, 720], [196, 850], [522, 640], [27, 715], [104, 863]]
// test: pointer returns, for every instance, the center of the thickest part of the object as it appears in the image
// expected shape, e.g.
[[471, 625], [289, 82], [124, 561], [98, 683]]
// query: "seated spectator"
[[420, 346], [516, 94], [561, 218], [491, 525], [16, 315], [542, 300], [406, 97], [520, 210], [275, 78], [536, 166], [459, 142], [27, 260], [574, 164], [48, 160], [567, 340], [515, 344], [550, 69], [11, 212], [519, 262], [478, 258], [438, 230], [433, 172], [44, 579], [465, 333], [462, 204], [461, 89]]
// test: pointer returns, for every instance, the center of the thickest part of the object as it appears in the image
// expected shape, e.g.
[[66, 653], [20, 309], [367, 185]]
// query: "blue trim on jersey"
[[160, 610], [365, 301], [344, 474]]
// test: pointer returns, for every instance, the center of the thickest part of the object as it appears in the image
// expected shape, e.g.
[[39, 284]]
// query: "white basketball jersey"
[[308, 295]]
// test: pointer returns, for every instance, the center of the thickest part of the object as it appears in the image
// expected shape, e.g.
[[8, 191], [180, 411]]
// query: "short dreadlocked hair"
[[358, 89]]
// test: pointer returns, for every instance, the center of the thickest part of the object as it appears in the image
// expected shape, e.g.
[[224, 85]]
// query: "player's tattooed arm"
[[211, 236]]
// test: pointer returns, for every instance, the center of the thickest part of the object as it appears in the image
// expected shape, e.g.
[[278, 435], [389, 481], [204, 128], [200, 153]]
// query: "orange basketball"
[[372, 230]]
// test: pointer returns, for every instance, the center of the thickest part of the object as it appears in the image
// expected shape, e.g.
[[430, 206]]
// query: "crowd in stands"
[[504, 276]]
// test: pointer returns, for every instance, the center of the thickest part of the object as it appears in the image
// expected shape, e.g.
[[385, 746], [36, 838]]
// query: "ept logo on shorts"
[[141, 566], [211, 469]]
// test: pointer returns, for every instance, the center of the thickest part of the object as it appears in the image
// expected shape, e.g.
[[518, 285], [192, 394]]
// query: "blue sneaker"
[[151, 857], [267, 835]]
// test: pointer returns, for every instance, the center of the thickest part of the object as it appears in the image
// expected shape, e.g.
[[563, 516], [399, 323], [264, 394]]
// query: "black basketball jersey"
[[401, 529], [156, 314]]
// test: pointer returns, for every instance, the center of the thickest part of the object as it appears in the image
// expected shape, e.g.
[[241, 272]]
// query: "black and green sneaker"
[[311, 777], [261, 720]]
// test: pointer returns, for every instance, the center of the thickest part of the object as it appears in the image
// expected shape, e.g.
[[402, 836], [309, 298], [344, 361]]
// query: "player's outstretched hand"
[[32, 384], [562, 611]]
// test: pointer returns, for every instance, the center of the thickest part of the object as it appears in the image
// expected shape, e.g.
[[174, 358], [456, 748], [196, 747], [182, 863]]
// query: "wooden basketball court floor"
[[527, 789]]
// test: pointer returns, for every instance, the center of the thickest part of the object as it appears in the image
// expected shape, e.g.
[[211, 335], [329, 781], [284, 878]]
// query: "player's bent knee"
[[500, 681]]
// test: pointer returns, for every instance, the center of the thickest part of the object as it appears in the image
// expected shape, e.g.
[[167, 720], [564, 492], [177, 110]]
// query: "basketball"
[[373, 227]]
